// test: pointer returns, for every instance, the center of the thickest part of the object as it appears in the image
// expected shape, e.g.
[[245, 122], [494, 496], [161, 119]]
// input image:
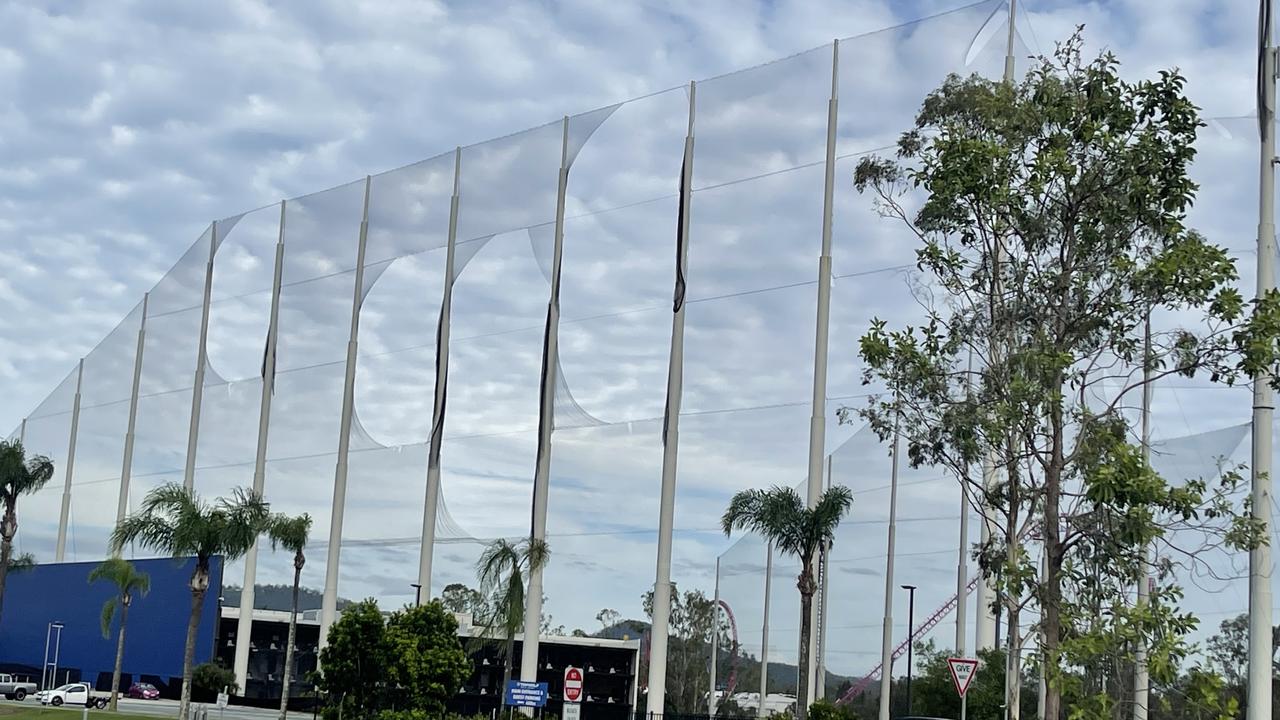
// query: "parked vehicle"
[[143, 691], [76, 694], [11, 689]]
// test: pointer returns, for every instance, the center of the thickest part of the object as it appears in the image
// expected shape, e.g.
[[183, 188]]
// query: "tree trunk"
[[807, 588], [1051, 610], [199, 587], [506, 664], [115, 674], [1013, 645], [8, 528], [293, 633]]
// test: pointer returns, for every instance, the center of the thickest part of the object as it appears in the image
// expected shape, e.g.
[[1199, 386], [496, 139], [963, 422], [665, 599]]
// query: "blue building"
[[61, 593]]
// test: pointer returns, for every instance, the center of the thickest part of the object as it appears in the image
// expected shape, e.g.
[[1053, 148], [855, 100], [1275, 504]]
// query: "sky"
[[127, 128]]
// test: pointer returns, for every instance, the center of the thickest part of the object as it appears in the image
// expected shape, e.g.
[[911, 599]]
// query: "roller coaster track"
[[918, 632]]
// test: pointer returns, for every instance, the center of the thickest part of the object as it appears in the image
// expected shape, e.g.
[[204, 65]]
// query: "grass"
[[14, 711]]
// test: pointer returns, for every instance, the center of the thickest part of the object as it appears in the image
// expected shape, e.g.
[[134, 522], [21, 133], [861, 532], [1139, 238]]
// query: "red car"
[[143, 691]]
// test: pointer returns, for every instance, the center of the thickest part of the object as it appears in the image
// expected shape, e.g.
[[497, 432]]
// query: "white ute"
[[76, 694]]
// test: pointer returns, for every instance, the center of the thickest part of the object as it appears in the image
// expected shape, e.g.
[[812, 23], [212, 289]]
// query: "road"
[[169, 709]]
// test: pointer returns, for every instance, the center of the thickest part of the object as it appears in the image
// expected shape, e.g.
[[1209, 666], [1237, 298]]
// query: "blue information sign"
[[526, 694]]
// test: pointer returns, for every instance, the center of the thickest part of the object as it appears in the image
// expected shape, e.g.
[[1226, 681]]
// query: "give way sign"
[[962, 672], [572, 684]]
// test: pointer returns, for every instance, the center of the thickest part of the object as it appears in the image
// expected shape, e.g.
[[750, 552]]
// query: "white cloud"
[[123, 133]]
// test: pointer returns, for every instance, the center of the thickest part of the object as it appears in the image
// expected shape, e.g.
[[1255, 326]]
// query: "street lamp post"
[[417, 593], [911, 621]]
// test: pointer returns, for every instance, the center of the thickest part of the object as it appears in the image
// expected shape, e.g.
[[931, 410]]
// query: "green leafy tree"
[[291, 533], [128, 581], [502, 569], [459, 598], [19, 475], [693, 621], [428, 663], [177, 522], [780, 516], [933, 692], [213, 677], [1051, 220], [355, 662]]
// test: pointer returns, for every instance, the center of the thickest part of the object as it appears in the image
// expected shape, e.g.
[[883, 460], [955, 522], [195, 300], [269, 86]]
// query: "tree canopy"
[[1050, 216]]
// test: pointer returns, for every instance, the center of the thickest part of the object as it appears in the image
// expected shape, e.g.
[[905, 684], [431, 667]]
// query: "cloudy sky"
[[126, 128]]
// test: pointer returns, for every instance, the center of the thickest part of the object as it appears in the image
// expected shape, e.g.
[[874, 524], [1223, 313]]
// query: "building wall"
[[156, 631]]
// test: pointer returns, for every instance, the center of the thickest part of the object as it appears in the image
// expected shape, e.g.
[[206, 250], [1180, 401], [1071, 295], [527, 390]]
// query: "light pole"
[[417, 593], [911, 621]]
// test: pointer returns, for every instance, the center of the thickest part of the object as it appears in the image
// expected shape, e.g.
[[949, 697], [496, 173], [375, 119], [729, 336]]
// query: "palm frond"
[[779, 515], [108, 615], [20, 475], [536, 554], [146, 531], [499, 558], [245, 516], [290, 532], [22, 563]]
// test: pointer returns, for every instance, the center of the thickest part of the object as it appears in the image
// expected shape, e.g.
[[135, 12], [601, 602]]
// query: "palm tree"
[[290, 533], [780, 516], [19, 475], [502, 569], [176, 522], [128, 580]]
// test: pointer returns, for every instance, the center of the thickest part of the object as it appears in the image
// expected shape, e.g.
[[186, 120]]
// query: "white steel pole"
[[715, 642], [764, 632], [244, 623], [431, 504], [1010, 42], [1044, 576], [546, 424], [818, 421], [126, 468], [671, 434], [962, 576], [60, 552], [886, 638], [1260, 639], [329, 602], [1141, 675], [962, 561], [824, 617], [197, 390]]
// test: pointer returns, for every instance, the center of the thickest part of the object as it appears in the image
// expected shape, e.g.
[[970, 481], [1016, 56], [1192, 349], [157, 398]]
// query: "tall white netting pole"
[[671, 436], [1261, 651], [329, 602], [818, 421], [886, 637], [244, 623], [431, 504], [546, 423], [197, 390], [126, 468], [61, 549]]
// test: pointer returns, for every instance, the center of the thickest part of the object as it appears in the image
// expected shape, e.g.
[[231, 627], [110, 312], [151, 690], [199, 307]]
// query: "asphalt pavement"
[[169, 708]]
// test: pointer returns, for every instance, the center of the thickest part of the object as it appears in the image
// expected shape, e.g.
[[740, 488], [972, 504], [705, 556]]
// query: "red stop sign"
[[572, 684]]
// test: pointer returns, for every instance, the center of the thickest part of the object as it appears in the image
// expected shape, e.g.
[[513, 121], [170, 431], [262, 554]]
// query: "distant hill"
[[278, 597], [782, 676]]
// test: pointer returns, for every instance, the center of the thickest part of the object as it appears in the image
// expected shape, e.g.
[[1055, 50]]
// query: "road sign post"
[[572, 694], [963, 671]]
